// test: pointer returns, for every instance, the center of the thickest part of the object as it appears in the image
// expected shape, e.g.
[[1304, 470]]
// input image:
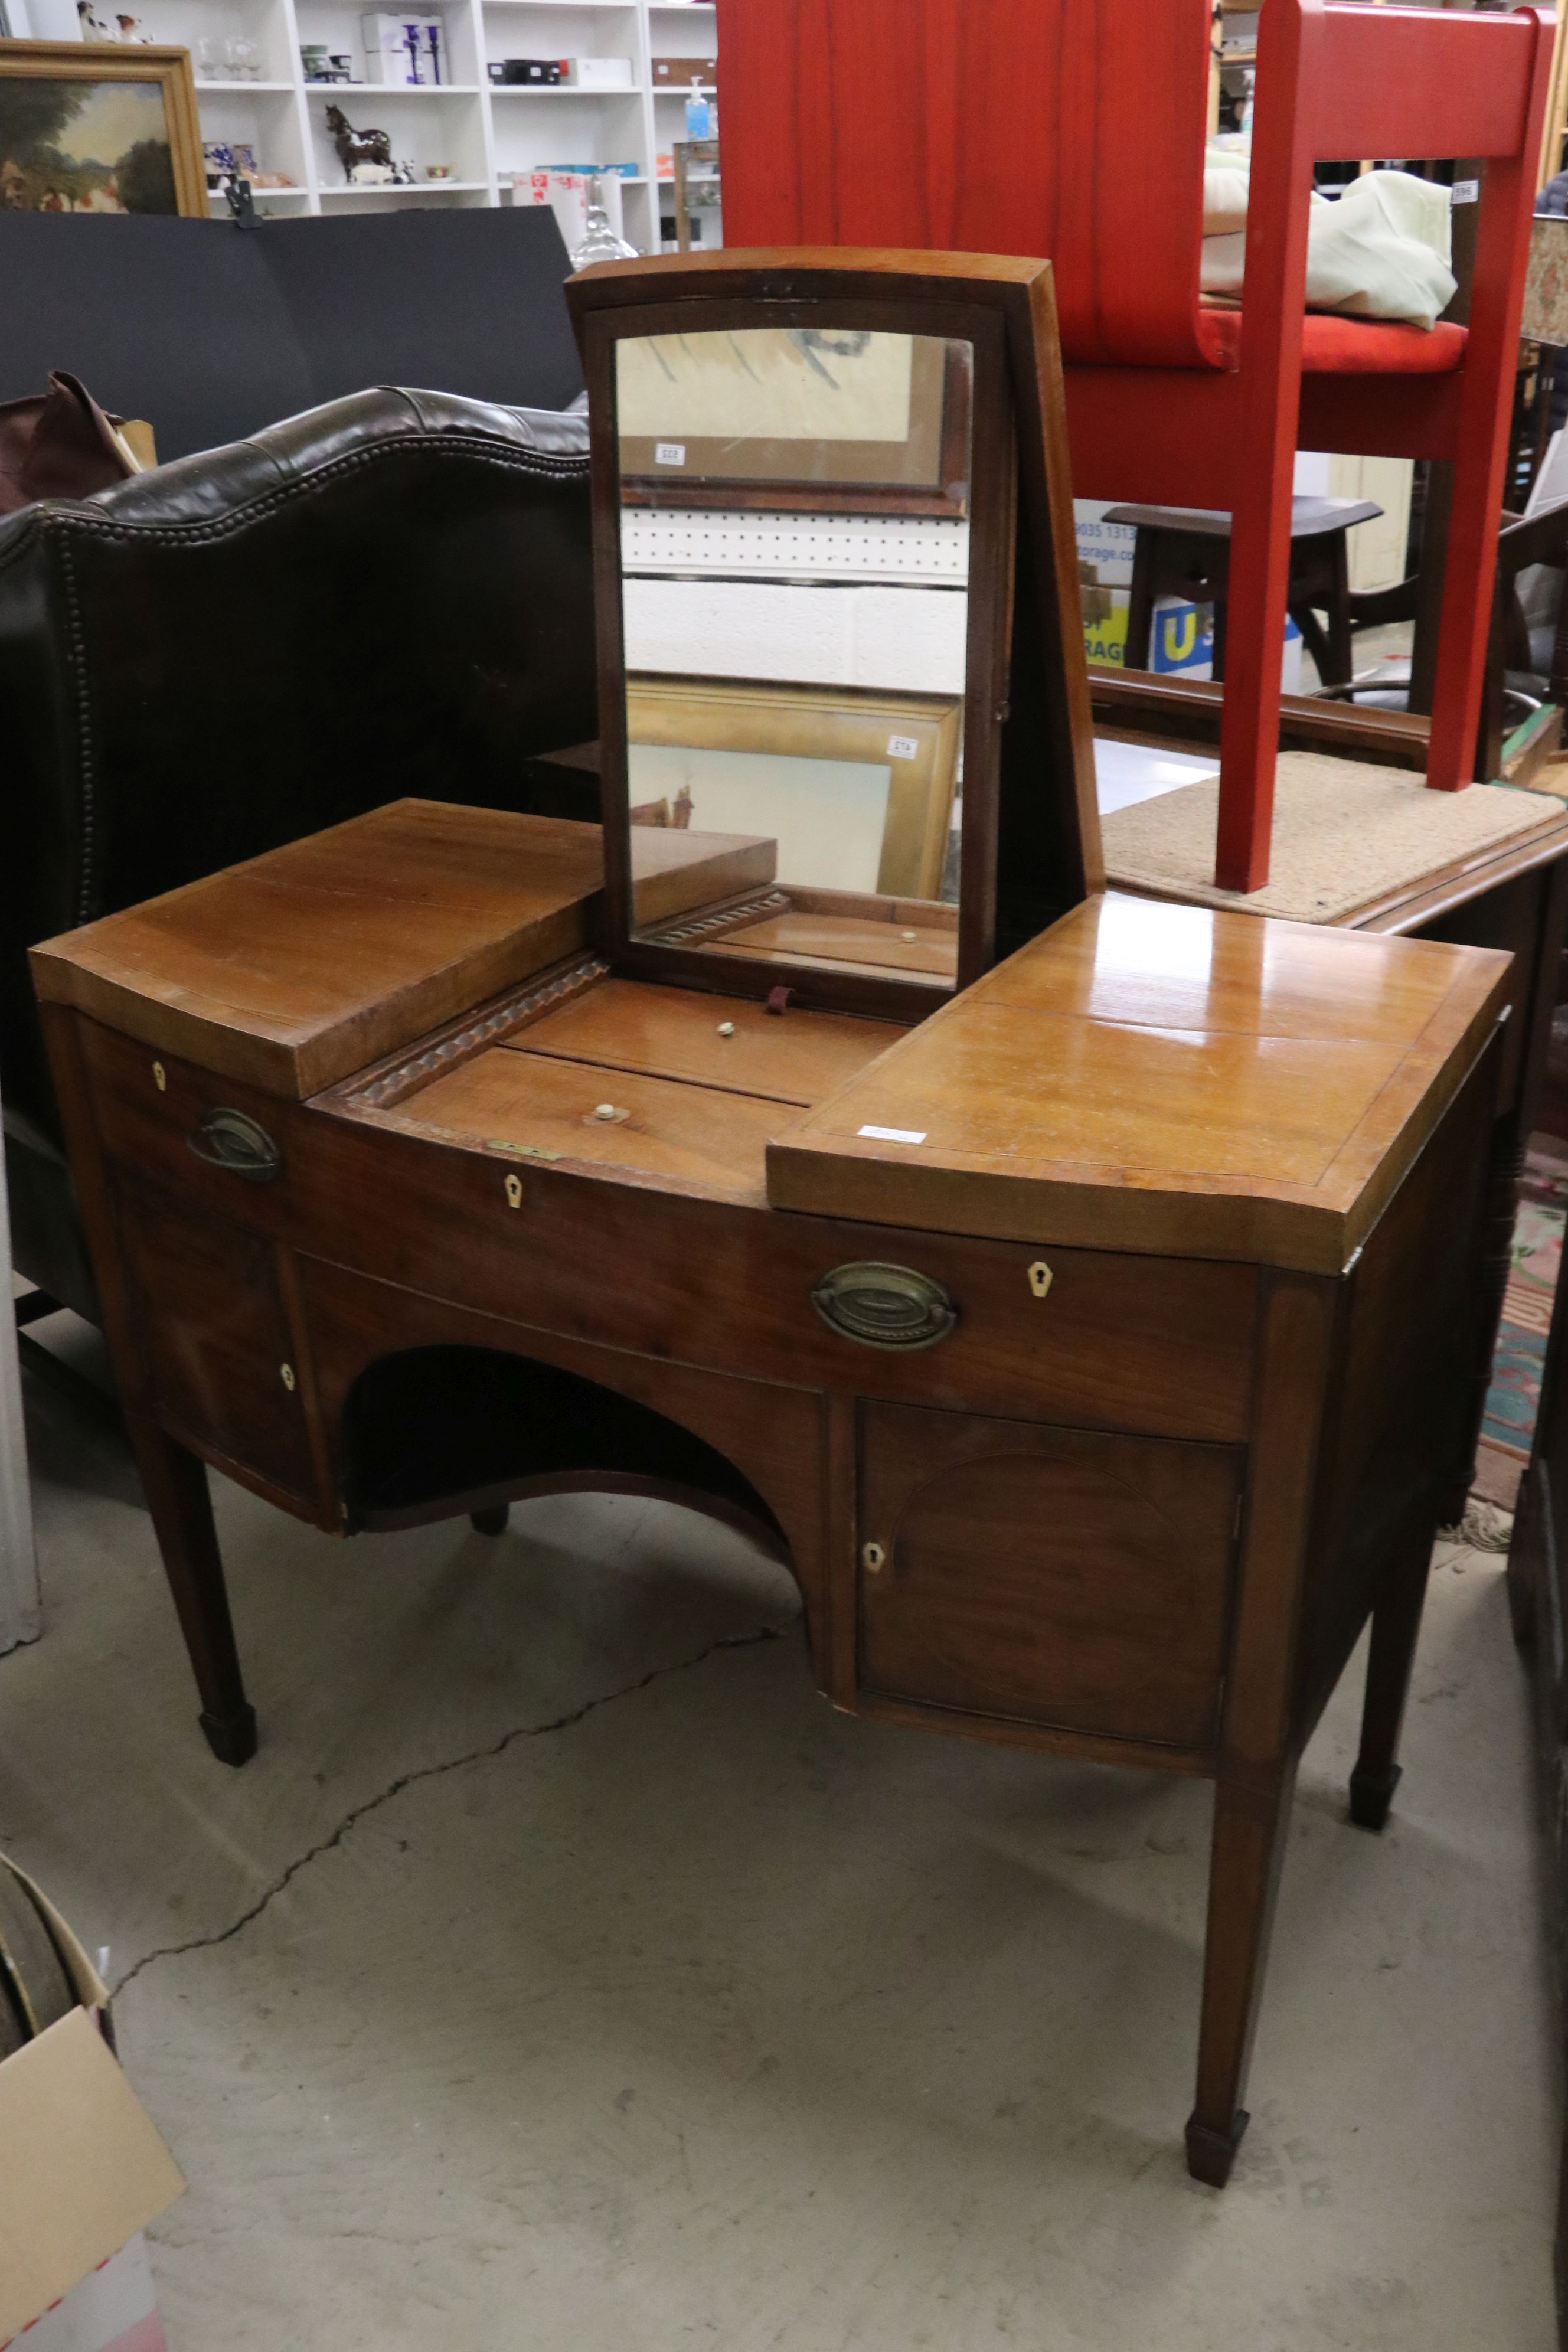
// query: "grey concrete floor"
[[564, 1973]]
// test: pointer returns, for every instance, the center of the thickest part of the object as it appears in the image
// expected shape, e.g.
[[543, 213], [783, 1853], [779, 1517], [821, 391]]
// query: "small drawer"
[[218, 1142], [1160, 1345]]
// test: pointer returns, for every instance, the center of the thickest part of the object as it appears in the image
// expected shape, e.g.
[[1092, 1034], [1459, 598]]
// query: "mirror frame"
[[1030, 838]]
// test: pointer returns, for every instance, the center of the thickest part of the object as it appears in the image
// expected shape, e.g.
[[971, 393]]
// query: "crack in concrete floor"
[[493, 1749]]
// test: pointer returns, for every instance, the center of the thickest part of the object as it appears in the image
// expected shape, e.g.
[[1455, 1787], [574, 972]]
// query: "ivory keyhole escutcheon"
[[1039, 1278], [287, 1371], [160, 1077], [873, 1558], [514, 1191]]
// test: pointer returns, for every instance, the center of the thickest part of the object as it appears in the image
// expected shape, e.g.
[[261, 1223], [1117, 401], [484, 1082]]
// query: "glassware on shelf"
[[209, 59], [600, 242], [241, 58]]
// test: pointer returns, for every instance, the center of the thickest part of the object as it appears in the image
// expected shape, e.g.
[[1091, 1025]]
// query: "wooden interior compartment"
[[212, 1325], [1053, 1576], [694, 1138], [796, 1056]]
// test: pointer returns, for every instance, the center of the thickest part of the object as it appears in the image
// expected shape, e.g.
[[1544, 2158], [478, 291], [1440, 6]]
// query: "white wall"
[[909, 640]]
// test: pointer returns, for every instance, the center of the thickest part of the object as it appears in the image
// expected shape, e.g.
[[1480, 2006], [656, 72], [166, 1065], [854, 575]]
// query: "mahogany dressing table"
[[1070, 1287]]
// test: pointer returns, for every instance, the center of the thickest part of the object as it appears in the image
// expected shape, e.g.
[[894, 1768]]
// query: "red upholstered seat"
[[1331, 345]]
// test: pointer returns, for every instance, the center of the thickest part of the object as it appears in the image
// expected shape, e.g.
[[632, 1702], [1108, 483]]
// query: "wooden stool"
[[1185, 552]]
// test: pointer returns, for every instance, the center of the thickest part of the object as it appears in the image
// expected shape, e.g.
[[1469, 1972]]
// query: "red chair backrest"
[[1075, 129], [1069, 128]]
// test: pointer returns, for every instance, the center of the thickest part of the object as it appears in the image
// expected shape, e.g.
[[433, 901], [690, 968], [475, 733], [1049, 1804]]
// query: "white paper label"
[[1467, 192], [902, 746], [669, 452], [893, 1134]]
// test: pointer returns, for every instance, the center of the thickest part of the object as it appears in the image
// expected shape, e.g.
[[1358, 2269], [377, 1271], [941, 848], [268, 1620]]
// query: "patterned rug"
[[1515, 1393]]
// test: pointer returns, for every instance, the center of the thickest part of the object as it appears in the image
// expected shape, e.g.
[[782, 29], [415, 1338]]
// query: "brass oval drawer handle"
[[884, 1305], [231, 1140]]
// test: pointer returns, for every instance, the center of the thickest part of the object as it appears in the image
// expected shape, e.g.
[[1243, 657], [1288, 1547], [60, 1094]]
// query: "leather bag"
[[59, 445]]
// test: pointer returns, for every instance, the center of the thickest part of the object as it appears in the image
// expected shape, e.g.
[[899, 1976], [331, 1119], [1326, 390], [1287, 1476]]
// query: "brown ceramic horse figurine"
[[356, 146]]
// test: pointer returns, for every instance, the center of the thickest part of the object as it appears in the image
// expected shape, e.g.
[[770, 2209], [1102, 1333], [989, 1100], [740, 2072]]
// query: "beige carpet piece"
[[1346, 835]]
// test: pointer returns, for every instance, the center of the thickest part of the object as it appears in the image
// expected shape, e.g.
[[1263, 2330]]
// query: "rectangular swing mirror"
[[805, 515]]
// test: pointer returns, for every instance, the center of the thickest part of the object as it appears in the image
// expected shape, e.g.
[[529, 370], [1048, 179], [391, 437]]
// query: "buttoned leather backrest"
[[387, 595]]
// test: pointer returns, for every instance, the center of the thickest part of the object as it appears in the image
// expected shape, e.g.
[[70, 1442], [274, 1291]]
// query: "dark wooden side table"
[[1088, 1348], [1185, 552]]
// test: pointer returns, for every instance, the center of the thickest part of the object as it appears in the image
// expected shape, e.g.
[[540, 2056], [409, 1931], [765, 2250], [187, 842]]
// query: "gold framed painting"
[[856, 788], [857, 423], [95, 127]]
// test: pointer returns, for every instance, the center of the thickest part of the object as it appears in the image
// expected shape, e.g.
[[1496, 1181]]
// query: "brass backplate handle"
[[884, 1306], [233, 1141]]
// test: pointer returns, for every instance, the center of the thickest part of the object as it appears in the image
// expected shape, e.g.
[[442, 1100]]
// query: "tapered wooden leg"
[[1505, 1168], [177, 1496], [1249, 1825], [1395, 1624]]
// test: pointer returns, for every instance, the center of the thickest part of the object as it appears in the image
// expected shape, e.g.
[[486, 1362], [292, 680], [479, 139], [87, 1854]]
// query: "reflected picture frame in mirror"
[[1011, 755]]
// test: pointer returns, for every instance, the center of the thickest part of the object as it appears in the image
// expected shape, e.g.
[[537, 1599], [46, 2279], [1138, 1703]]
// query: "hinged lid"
[[298, 968], [1173, 1079]]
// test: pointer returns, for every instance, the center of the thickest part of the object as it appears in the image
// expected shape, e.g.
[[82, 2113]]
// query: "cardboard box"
[[512, 73], [566, 193], [403, 52], [598, 73], [679, 73], [82, 2171]]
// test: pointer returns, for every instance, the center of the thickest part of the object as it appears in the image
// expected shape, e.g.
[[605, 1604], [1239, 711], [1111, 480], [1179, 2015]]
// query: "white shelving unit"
[[483, 132]]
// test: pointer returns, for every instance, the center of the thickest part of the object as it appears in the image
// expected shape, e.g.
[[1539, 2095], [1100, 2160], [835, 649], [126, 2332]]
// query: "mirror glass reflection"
[[795, 562]]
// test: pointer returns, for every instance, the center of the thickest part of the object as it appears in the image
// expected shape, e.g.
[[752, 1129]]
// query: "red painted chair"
[[1076, 128]]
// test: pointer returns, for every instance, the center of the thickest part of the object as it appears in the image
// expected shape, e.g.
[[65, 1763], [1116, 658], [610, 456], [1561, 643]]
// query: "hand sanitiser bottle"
[[698, 117]]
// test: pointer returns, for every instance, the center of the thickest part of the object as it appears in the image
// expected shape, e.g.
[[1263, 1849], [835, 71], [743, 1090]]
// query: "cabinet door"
[[1048, 1576], [214, 1335]]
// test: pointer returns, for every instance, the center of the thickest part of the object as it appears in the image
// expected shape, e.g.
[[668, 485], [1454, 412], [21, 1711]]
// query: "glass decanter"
[[600, 242]]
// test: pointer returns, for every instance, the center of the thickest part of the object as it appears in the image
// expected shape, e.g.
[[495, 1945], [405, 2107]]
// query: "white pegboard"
[[927, 548]]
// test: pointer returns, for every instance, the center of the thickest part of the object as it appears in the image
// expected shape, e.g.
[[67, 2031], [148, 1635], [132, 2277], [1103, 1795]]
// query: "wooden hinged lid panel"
[[1158, 1078], [298, 968]]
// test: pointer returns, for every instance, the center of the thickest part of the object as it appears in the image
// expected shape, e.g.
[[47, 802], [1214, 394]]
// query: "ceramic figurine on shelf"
[[129, 29], [93, 27], [361, 152]]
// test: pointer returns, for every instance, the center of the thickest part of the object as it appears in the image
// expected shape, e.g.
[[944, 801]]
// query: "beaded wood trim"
[[446, 1051], [728, 918]]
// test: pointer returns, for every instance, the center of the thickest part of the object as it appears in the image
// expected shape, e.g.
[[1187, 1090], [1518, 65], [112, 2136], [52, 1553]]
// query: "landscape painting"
[[93, 138]]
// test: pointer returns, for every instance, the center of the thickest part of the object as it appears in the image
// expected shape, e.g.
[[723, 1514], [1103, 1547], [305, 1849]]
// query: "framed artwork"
[[90, 127], [855, 788], [843, 421]]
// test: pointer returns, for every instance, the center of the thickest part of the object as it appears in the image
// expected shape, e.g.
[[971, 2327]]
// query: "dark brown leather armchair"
[[387, 595]]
